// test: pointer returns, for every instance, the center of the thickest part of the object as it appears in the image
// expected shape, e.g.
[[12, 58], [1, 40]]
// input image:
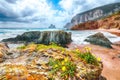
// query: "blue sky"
[[42, 13]]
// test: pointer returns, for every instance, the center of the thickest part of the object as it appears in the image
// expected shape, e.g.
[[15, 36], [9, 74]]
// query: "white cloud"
[[41, 13]]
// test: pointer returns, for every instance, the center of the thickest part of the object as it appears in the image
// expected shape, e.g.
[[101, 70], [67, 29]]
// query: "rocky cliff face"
[[94, 14], [110, 22]]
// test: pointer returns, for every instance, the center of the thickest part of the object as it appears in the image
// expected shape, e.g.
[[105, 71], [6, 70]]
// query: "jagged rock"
[[3, 52], [99, 39], [52, 26], [45, 37]]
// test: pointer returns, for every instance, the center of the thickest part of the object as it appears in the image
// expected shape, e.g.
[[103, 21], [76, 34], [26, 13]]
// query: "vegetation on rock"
[[52, 62]]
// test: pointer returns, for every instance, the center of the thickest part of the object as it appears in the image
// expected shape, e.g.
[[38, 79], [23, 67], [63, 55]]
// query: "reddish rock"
[[110, 22]]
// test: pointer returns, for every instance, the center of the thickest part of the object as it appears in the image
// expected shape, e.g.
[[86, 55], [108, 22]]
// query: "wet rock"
[[99, 39], [45, 37]]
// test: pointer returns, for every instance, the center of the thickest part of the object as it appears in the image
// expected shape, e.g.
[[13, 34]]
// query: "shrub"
[[65, 66]]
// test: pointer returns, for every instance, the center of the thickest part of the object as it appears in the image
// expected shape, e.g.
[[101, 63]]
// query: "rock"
[[99, 39], [39, 64], [102, 78], [12, 54], [106, 23], [45, 37], [117, 43], [93, 14], [3, 51], [18, 72], [52, 26]]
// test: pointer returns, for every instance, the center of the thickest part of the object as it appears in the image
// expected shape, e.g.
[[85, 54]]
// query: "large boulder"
[[45, 37], [99, 39]]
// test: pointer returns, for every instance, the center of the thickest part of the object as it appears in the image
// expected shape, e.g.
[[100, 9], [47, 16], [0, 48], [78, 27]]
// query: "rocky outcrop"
[[45, 37], [94, 14], [99, 39], [52, 26], [51, 62]]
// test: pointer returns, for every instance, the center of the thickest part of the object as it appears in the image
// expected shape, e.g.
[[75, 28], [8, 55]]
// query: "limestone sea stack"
[[44, 37]]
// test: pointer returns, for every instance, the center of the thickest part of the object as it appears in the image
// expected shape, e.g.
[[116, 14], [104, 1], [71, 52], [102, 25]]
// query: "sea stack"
[[43, 37]]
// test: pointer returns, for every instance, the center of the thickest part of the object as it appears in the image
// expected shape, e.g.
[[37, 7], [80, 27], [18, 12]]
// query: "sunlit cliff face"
[[42, 13]]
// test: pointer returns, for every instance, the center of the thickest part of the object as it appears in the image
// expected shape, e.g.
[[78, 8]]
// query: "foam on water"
[[78, 37]]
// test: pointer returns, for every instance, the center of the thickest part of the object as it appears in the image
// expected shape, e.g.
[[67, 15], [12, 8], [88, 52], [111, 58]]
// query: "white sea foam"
[[78, 37]]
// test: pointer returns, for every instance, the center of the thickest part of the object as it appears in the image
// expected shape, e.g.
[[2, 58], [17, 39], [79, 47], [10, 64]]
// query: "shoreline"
[[110, 57]]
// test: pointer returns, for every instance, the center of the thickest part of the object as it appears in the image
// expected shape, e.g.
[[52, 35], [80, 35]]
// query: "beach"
[[109, 57]]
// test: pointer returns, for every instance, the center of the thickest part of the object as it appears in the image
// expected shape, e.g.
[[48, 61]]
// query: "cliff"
[[94, 14], [110, 22]]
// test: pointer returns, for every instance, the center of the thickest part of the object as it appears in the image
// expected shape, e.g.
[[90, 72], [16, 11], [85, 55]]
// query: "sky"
[[42, 13]]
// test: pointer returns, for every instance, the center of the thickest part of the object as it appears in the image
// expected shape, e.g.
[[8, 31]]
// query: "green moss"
[[51, 45], [21, 47]]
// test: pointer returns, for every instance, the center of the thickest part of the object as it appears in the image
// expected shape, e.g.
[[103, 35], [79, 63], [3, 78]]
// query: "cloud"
[[42, 13]]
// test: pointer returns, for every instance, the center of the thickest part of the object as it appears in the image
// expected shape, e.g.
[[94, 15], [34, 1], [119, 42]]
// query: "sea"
[[78, 37]]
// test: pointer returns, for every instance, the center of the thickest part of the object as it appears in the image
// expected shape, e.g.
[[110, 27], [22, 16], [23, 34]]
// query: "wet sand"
[[109, 58]]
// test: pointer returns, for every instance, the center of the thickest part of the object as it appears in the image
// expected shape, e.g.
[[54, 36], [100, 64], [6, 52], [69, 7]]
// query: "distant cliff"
[[110, 22], [94, 14]]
